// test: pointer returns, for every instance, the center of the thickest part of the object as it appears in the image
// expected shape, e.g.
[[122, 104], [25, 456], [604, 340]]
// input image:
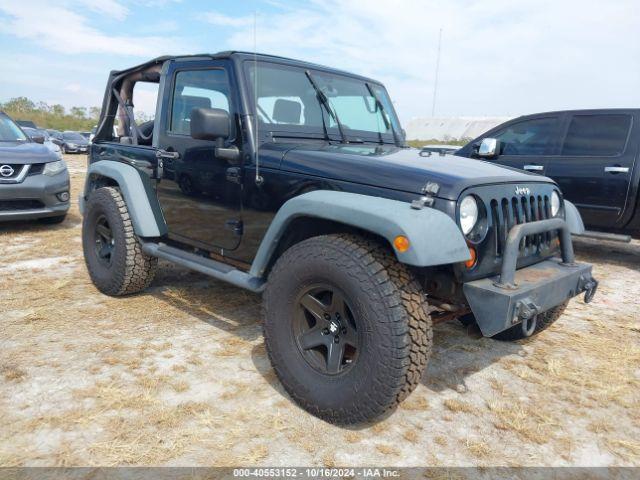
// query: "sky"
[[498, 57]]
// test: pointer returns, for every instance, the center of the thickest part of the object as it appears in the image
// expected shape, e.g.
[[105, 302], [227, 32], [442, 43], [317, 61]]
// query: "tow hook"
[[590, 288], [526, 312], [529, 326]]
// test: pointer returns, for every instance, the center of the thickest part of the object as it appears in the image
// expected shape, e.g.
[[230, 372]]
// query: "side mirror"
[[489, 148], [210, 124], [214, 124], [38, 138]]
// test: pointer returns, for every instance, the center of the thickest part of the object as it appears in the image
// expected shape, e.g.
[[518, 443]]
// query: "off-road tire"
[[130, 270], [394, 328], [53, 220], [545, 320]]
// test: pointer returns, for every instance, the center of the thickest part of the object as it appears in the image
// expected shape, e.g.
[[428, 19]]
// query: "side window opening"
[[597, 135], [145, 98], [197, 89], [529, 137]]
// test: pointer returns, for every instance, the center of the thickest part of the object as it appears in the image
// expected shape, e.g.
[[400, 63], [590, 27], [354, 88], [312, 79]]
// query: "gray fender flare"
[[140, 197], [434, 237], [573, 218]]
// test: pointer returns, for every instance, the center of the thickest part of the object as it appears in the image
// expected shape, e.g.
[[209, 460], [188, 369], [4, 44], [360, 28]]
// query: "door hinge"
[[233, 175], [236, 226]]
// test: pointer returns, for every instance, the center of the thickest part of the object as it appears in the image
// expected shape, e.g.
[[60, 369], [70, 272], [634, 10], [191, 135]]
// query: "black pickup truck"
[[291, 179], [591, 154]]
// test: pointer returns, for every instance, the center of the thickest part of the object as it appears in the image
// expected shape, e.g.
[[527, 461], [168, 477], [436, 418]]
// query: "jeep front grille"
[[507, 212]]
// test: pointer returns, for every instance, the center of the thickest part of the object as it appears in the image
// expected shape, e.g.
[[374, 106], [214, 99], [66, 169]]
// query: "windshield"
[[72, 136], [10, 132], [286, 96]]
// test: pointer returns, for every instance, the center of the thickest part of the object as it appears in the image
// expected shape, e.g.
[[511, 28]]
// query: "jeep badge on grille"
[[523, 191]]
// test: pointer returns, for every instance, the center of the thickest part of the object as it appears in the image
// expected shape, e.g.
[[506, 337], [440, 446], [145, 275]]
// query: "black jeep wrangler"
[[293, 179]]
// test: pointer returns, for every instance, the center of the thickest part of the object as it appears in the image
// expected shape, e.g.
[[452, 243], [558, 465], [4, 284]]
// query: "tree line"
[[51, 116]]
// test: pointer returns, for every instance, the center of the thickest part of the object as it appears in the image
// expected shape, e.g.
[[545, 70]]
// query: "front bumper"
[[77, 149], [35, 197], [514, 296]]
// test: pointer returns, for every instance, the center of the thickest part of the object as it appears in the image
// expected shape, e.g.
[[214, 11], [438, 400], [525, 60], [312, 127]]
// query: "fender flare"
[[434, 237], [573, 218], [138, 194]]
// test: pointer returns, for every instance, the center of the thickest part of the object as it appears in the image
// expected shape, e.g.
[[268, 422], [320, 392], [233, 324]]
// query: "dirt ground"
[[178, 375]]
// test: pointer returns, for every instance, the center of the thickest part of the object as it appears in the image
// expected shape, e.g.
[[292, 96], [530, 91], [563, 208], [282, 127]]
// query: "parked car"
[[56, 137], [26, 123], [305, 191], [73, 142], [427, 150], [34, 182], [39, 135], [591, 154], [86, 135]]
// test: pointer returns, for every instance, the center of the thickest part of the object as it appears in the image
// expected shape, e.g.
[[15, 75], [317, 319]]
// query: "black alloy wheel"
[[104, 241], [325, 330]]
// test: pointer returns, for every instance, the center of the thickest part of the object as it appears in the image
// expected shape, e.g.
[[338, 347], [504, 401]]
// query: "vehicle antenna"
[[258, 178], [435, 83]]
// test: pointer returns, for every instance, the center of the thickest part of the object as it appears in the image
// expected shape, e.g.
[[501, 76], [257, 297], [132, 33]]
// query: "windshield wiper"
[[388, 123], [325, 102]]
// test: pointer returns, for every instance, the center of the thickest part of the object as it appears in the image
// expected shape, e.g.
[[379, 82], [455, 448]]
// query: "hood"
[[403, 169], [25, 152]]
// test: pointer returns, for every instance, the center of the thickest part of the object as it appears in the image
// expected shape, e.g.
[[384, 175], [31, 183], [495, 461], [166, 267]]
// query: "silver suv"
[[34, 181]]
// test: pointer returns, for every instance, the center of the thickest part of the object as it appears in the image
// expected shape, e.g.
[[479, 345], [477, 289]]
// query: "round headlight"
[[555, 204], [468, 214]]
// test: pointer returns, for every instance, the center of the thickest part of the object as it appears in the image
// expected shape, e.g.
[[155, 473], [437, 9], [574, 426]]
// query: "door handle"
[[167, 155], [616, 169], [534, 168]]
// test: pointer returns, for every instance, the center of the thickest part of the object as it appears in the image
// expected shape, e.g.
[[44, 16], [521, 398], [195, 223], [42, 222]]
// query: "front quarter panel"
[[573, 218], [435, 238]]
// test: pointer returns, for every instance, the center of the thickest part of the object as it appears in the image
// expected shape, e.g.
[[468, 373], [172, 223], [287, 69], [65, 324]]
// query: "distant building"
[[450, 128]]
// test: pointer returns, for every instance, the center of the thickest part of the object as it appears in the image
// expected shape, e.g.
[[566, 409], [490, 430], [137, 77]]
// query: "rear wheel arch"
[[136, 190]]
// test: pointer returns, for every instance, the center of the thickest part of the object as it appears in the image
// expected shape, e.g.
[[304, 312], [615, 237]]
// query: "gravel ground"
[[178, 375]]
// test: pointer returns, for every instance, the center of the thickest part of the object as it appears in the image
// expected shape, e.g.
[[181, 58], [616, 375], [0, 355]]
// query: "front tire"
[[544, 321], [114, 257], [345, 294]]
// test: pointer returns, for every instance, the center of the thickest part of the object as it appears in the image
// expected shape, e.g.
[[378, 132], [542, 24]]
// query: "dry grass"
[[410, 436], [387, 450], [458, 406], [478, 448], [526, 421], [415, 402], [352, 437], [12, 373]]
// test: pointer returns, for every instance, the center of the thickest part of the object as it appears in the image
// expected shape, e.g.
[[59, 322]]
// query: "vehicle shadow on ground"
[[612, 253], [458, 352], [216, 303], [37, 226]]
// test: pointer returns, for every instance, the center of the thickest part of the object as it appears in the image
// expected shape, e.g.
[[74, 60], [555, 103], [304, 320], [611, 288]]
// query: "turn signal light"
[[401, 243], [474, 258]]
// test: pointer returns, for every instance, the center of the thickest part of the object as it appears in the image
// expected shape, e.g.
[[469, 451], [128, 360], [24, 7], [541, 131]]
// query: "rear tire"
[[114, 257], [544, 321], [387, 332]]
